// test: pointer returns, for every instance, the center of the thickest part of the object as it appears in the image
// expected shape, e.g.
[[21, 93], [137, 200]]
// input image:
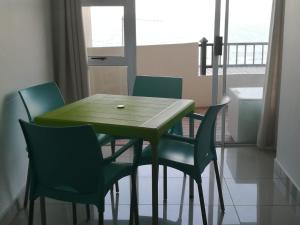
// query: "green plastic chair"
[[43, 98], [158, 86], [161, 87], [192, 155], [66, 165]]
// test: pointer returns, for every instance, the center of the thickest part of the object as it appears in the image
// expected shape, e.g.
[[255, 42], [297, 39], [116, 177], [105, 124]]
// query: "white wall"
[[179, 60], [25, 59], [288, 145]]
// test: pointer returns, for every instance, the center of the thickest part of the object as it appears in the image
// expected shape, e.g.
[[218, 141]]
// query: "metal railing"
[[239, 54]]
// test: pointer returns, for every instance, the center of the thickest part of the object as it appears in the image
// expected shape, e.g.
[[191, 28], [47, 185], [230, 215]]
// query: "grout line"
[[234, 206], [252, 179]]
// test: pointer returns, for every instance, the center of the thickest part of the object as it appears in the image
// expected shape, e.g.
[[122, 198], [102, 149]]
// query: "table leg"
[[154, 149]]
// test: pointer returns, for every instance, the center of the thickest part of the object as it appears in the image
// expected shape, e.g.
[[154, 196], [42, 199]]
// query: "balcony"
[[179, 60], [242, 57]]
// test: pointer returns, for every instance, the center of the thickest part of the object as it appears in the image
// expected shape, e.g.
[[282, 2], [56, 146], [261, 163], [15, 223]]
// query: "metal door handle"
[[99, 58]]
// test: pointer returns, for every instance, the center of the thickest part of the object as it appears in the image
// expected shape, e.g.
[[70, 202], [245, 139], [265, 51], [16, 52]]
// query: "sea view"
[[178, 21]]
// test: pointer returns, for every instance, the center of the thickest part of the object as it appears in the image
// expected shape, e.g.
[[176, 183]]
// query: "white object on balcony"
[[244, 113]]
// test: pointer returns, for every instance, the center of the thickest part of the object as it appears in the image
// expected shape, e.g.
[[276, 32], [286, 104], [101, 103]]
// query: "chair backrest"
[[65, 162], [161, 87], [40, 99], [205, 140]]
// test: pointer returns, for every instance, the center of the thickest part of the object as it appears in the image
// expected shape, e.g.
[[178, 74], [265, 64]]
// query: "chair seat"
[[103, 138], [115, 171], [171, 153]]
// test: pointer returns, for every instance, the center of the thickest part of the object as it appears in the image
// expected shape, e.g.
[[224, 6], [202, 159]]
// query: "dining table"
[[147, 118]]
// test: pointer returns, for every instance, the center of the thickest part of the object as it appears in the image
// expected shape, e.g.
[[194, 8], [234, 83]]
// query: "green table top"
[[142, 117]]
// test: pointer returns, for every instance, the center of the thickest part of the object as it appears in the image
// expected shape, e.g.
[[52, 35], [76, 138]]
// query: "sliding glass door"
[[242, 68]]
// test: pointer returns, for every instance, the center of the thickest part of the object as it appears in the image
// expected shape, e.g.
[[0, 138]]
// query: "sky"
[[179, 21]]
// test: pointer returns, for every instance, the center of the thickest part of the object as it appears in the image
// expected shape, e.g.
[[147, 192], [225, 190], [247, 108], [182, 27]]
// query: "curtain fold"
[[69, 51], [267, 131]]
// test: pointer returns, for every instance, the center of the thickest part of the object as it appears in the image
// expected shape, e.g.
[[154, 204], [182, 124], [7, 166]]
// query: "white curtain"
[[69, 52], [268, 125]]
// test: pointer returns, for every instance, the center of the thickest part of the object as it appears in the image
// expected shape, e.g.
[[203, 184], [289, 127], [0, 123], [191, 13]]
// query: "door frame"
[[216, 60], [129, 58]]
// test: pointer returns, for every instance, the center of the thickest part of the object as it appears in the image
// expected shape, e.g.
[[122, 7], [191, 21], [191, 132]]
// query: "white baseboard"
[[12, 211], [290, 182], [287, 174]]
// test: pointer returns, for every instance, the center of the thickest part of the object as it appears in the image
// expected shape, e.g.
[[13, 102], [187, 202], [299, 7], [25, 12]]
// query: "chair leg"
[[134, 210], [43, 211], [131, 206], [114, 207], [113, 150], [27, 189], [201, 197], [31, 212], [191, 187], [136, 206], [131, 212], [219, 185], [88, 214], [165, 175], [100, 219], [74, 213]]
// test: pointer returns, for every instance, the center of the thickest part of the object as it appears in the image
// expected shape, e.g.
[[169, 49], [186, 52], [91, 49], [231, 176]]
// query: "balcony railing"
[[239, 54]]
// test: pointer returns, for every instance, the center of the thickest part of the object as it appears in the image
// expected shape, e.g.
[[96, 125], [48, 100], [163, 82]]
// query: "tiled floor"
[[253, 194]]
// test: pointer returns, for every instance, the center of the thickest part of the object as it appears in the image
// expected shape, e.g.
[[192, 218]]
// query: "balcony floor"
[[240, 70]]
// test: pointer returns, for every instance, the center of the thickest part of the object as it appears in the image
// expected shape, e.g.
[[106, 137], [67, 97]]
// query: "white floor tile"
[[252, 192], [259, 192], [266, 215], [247, 163]]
